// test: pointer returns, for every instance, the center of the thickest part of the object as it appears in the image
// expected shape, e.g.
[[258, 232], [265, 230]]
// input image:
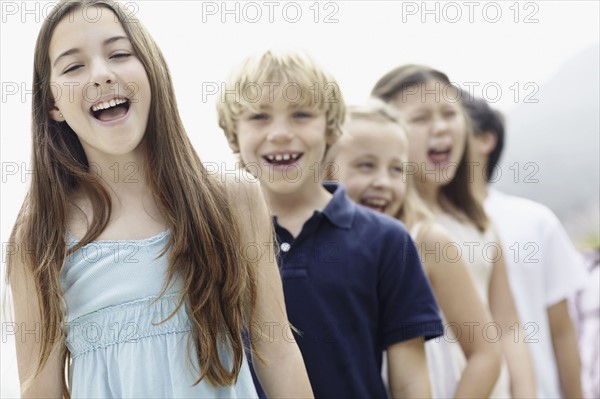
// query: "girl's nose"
[[439, 125], [382, 180], [102, 74]]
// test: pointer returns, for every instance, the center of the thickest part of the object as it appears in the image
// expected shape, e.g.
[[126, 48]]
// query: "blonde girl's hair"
[[219, 285], [302, 82], [459, 192]]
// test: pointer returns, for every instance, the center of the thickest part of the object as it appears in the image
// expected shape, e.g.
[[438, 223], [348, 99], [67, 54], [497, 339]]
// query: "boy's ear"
[[56, 115], [233, 143]]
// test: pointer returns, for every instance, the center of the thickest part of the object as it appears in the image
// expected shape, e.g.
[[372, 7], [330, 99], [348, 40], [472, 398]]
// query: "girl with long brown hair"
[[139, 269], [438, 132]]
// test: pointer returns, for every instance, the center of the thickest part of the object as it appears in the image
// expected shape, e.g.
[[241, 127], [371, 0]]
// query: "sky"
[[500, 50]]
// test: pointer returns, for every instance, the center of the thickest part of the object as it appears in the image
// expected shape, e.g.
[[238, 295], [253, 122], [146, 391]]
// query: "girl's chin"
[[437, 181], [439, 176], [392, 211]]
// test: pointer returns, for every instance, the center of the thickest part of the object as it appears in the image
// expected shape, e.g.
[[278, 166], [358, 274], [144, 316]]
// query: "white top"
[[477, 251], [543, 268], [445, 358]]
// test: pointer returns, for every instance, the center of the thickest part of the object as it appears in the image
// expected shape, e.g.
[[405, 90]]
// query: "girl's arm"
[[504, 312], [282, 374], [564, 341], [48, 384], [408, 381], [461, 304]]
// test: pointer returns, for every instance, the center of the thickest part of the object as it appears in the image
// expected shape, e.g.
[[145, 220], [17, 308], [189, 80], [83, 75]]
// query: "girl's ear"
[[487, 142], [56, 115], [333, 136]]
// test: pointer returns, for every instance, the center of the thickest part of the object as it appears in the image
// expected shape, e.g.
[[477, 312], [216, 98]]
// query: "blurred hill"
[[556, 142]]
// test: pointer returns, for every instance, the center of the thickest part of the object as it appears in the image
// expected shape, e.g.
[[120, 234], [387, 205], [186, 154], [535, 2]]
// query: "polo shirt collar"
[[340, 210]]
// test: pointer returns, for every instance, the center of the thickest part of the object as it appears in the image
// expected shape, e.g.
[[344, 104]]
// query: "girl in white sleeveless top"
[[437, 128]]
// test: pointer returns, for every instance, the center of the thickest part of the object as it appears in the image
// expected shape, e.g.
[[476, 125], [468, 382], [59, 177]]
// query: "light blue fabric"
[[119, 346]]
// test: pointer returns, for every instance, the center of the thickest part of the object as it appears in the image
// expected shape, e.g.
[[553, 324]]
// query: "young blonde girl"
[[439, 148], [131, 262], [371, 161]]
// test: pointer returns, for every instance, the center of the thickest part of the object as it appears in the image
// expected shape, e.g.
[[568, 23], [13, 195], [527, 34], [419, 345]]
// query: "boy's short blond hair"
[[298, 78]]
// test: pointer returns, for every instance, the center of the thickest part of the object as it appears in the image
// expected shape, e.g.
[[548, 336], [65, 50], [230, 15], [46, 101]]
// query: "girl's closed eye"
[[398, 169], [72, 68], [420, 118], [121, 55], [365, 166], [449, 113]]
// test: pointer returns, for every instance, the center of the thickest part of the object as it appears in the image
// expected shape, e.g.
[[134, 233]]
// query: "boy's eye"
[[257, 117], [302, 114]]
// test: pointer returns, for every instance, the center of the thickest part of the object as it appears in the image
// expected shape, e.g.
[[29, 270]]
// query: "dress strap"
[[414, 232]]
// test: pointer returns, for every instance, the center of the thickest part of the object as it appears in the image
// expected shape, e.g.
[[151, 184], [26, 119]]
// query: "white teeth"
[[108, 104], [282, 157], [376, 202]]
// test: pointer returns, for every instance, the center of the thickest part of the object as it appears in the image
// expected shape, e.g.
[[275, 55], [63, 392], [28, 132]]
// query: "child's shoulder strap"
[[414, 231]]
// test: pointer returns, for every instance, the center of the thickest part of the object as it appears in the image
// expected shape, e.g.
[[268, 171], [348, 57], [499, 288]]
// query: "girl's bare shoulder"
[[431, 232], [245, 198]]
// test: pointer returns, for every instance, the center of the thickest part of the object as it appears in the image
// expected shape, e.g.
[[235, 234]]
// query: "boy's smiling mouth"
[[282, 159], [109, 110]]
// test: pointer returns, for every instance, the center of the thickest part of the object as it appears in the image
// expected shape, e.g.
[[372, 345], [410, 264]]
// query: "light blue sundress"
[[118, 346]]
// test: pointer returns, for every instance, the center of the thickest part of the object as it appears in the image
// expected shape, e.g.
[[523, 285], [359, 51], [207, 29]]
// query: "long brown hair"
[[458, 192], [219, 285]]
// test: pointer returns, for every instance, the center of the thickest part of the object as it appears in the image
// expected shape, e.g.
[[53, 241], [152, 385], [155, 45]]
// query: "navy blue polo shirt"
[[353, 286]]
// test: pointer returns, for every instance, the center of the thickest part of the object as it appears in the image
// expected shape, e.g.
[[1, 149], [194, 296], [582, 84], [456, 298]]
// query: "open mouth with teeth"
[[439, 156], [110, 110], [378, 204], [282, 159]]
